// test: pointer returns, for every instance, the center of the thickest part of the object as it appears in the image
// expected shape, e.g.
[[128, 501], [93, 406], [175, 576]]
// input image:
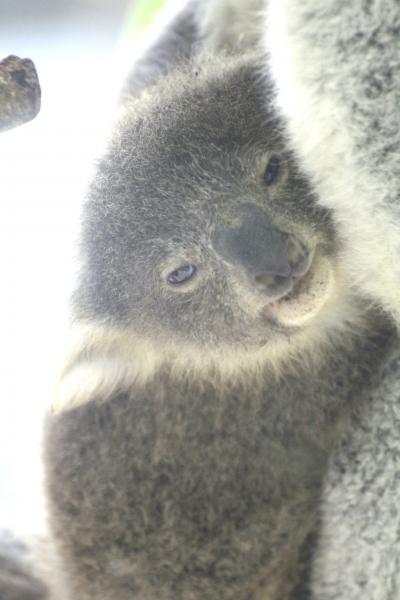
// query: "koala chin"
[[220, 353]]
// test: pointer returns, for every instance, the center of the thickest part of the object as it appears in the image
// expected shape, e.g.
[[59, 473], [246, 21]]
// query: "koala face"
[[199, 229]]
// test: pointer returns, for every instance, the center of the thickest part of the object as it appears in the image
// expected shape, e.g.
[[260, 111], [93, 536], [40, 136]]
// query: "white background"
[[44, 169]]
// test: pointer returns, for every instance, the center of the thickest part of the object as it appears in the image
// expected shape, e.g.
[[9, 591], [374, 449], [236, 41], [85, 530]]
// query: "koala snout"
[[269, 256]]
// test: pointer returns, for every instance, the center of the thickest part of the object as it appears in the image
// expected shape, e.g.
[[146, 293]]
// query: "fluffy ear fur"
[[179, 40], [212, 25], [19, 579], [337, 69], [233, 25]]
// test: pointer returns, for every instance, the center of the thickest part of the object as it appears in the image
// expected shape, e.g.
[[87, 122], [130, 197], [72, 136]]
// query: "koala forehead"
[[189, 140]]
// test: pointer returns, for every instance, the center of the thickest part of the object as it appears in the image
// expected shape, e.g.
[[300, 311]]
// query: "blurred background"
[[82, 50]]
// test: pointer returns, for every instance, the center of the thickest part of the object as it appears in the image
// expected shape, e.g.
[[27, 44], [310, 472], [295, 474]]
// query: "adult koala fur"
[[232, 349]]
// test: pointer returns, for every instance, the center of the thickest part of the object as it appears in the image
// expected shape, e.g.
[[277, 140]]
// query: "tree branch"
[[19, 92]]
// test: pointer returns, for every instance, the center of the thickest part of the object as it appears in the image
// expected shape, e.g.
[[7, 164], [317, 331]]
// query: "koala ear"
[[210, 25], [231, 25], [176, 44]]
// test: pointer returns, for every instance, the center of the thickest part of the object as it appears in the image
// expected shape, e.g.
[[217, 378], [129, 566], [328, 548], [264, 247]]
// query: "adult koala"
[[226, 349]]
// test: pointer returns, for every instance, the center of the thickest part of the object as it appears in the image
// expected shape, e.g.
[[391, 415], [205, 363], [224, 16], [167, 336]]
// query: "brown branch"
[[19, 92]]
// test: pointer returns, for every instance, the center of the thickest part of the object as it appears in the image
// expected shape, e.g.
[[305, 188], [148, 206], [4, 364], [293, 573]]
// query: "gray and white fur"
[[233, 436], [337, 69], [186, 449]]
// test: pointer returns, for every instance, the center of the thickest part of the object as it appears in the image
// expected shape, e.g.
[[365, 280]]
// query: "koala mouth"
[[307, 296]]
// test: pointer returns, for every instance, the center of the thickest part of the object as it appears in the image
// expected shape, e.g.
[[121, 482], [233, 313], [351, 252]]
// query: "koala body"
[[221, 354]]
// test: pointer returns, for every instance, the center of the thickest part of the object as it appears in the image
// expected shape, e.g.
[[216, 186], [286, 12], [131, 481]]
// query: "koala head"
[[199, 230]]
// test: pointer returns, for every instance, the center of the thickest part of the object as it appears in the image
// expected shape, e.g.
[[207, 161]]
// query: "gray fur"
[[358, 551], [17, 578], [203, 481], [336, 68], [215, 25], [343, 64], [179, 42], [190, 460]]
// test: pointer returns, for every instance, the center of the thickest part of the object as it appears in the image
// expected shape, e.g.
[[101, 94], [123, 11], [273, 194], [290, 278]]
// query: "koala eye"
[[272, 171], [182, 274]]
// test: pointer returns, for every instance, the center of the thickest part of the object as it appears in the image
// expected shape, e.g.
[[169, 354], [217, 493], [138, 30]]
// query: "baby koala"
[[219, 353]]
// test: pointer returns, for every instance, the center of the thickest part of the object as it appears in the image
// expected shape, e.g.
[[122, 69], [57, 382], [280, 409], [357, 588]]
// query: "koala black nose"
[[270, 256]]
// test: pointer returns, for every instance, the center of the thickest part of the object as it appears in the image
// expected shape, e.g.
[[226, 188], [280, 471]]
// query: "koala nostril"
[[265, 279], [271, 282]]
